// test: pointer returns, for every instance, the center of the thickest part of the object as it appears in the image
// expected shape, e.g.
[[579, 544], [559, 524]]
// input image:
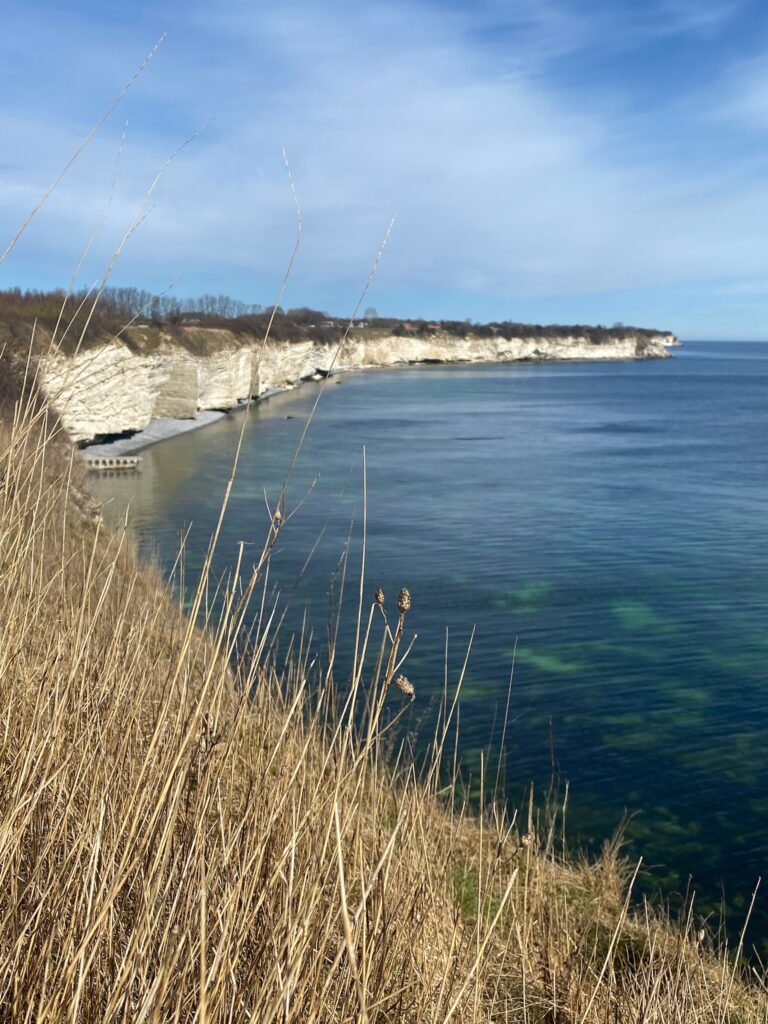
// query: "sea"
[[591, 538]]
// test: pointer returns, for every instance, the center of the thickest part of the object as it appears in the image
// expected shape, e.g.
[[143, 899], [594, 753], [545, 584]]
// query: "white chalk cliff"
[[121, 385]]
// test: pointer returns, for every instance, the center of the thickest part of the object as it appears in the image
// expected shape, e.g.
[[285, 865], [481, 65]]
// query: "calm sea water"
[[610, 521]]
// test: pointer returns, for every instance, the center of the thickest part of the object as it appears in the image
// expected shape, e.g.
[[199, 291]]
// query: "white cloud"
[[505, 186]]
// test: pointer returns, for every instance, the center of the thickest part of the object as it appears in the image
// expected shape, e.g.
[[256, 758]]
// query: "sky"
[[571, 161]]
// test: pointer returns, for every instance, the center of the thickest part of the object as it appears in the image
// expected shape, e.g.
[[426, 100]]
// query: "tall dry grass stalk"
[[181, 840]]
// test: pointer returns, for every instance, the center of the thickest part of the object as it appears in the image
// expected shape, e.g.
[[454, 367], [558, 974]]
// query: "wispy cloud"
[[743, 97], [673, 17], [516, 186]]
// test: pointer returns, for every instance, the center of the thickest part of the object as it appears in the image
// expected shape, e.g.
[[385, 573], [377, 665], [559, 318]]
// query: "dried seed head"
[[404, 601], [278, 517], [527, 839], [379, 596], [406, 687]]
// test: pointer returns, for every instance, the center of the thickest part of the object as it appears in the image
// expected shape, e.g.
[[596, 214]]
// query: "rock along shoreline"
[[147, 388], [165, 428]]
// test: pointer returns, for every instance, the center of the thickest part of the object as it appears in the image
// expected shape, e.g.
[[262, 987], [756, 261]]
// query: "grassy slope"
[[173, 851]]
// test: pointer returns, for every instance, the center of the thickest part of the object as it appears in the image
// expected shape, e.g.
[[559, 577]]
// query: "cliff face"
[[117, 387]]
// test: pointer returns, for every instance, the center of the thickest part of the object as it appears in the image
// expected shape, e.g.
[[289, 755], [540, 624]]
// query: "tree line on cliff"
[[119, 306]]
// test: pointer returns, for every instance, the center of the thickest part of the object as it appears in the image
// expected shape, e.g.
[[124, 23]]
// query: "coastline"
[[166, 428], [114, 390]]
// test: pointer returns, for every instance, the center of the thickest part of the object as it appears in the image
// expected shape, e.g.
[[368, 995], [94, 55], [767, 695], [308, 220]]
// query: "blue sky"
[[571, 161]]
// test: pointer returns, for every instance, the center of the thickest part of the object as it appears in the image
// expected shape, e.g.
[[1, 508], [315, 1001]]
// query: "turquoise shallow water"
[[609, 520]]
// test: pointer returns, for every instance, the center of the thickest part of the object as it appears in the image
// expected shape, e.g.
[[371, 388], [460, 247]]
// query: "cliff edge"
[[119, 385]]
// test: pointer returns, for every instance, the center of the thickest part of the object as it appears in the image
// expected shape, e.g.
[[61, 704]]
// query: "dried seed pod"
[[406, 687], [404, 600], [278, 518], [379, 596]]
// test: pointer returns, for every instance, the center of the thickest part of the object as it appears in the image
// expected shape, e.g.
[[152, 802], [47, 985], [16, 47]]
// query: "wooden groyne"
[[113, 462]]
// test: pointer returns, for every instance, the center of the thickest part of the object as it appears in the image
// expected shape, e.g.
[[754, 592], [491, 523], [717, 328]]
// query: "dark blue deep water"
[[609, 520]]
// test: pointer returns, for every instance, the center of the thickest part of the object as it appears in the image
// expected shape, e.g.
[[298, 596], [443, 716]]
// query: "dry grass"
[[185, 841]]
